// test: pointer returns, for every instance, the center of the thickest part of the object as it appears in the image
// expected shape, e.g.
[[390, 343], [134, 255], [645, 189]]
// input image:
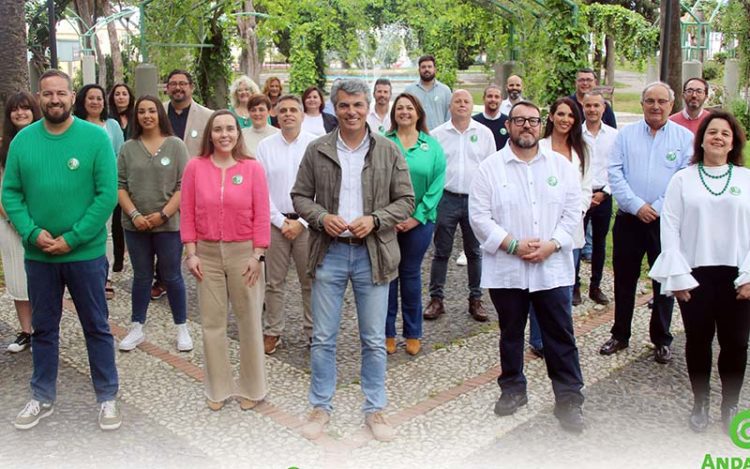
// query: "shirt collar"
[[342, 145], [687, 116], [472, 125], [509, 156], [647, 128], [497, 116], [288, 142]]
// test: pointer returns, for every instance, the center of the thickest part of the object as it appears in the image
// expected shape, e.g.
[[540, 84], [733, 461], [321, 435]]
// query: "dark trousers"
[[85, 281], [599, 217], [632, 239], [560, 352], [714, 309], [118, 237], [453, 210]]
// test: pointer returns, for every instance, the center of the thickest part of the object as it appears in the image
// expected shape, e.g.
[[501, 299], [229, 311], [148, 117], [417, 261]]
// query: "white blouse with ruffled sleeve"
[[700, 229]]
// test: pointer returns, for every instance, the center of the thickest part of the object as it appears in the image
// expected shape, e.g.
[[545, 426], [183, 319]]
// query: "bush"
[[720, 57], [741, 111], [712, 70]]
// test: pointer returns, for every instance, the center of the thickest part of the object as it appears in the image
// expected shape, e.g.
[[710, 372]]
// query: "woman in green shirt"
[[240, 92], [426, 161]]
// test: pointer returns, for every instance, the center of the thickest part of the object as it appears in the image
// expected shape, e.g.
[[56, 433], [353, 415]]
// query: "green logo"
[[503, 131], [671, 156], [474, 139], [381, 129], [424, 147], [73, 164], [739, 429], [165, 161], [734, 190], [552, 181], [237, 180]]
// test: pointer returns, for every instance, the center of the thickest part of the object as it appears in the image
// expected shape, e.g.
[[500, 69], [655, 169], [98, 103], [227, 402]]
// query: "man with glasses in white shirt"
[[524, 207]]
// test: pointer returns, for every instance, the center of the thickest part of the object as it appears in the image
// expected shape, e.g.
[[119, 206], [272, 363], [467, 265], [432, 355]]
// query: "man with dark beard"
[[59, 189], [187, 117], [695, 93], [435, 97], [524, 206], [514, 89], [492, 118]]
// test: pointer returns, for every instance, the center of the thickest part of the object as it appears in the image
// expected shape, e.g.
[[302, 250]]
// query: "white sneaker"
[[109, 416], [134, 337], [462, 259], [32, 414], [184, 342]]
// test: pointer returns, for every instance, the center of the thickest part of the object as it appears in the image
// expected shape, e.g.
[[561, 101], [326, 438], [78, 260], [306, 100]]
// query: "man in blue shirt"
[[434, 96], [645, 156]]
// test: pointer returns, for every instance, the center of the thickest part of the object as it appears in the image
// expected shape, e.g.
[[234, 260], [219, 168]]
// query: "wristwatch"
[[164, 216], [376, 222], [557, 244], [259, 257]]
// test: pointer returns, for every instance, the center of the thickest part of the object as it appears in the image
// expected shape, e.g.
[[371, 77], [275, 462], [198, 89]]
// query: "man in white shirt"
[[466, 143], [280, 155], [514, 88], [600, 138], [379, 119], [525, 206]]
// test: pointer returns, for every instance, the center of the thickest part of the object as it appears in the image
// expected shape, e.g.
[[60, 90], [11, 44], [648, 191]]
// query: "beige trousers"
[[223, 264], [278, 257]]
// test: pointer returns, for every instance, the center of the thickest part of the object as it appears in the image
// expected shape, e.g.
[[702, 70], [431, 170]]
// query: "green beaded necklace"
[[702, 172]]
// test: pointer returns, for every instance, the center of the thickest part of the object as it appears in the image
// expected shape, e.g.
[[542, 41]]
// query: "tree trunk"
[[598, 57], [249, 60], [13, 52], [101, 62], [609, 44], [672, 46], [114, 45]]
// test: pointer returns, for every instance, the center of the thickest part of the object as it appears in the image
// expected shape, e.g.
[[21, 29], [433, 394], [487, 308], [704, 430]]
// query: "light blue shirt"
[[435, 102], [641, 165]]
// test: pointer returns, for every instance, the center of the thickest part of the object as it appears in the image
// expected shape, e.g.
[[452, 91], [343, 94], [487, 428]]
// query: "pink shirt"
[[684, 120], [235, 209]]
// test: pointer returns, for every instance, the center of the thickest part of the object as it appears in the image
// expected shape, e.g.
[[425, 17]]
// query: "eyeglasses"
[[652, 101], [521, 121], [584, 80], [174, 84], [695, 91]]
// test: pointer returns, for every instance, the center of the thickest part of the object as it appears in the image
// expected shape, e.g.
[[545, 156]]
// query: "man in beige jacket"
[[187, 117], [352, 188]]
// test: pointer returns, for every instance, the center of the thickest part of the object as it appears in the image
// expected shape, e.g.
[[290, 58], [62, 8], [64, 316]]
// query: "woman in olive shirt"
[[426, 161]]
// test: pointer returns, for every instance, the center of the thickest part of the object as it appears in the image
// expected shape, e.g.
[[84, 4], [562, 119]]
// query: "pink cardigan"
[[241, 213]]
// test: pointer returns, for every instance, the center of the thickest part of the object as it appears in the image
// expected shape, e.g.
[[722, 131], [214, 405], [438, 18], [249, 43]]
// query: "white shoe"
[[32, 414], [110, 417], [184, 342], [134, 337], [462, 259]]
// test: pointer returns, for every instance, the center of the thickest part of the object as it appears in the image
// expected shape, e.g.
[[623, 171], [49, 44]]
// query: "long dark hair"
[[239, 152], [738, 138], [421, 116], [21, 99], [574, 139], [113, 112], [165, 127], [79, 108]]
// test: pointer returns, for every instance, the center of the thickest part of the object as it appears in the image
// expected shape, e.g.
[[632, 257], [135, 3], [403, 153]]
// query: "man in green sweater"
[[59, 188]]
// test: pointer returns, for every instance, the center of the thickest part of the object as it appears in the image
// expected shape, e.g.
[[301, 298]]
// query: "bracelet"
[[164, 216], [512, 247], [135, 214]]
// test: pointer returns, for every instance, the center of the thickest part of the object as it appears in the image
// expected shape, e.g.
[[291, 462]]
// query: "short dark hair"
[[705, 83], [524, 103], [79, 108], [257, 100], [738, 138], [239, 152], [291, 97], [178, 71], [491, 86], [383, 82], [308, 92], [426, 58], [20, 99], [165, 127], [586, 70], [53, 72], [421, 115]]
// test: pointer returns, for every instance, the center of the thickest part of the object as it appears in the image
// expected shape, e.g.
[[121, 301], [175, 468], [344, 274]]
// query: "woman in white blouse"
[[316, 121], [705, 261]]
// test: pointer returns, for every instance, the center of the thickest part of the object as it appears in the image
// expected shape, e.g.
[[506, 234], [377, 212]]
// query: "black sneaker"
[[22, 342]]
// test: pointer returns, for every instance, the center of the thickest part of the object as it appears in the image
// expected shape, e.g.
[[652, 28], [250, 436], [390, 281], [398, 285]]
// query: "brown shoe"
[[413, 346], [247, 404], [213, 405], [316, 423], [390, 345], [379, 426], [477, 311], [435, 309], [270, 342], [596, 294]]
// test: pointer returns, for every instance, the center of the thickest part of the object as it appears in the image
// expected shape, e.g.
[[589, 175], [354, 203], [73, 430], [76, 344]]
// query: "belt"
[[291, 216], [352, 241], [455, 194]]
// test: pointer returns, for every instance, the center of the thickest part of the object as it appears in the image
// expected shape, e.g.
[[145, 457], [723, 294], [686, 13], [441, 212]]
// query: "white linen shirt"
[[699, 229], [540, 199], [463, 152], [280, 160], [506, 105], [600, 146], [377, 124], [314, 125], [352, 160]]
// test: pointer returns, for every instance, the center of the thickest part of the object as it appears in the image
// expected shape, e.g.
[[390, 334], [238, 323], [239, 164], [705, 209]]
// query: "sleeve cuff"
[[565, 240], [744, 275], [71, 239], [493, 241], [673, 272]]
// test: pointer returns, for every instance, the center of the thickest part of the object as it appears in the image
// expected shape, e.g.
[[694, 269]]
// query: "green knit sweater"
[[65, 184]]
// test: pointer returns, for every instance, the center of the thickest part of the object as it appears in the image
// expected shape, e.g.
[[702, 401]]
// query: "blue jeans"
[[453, 210], [167, 247], [535, 335], [341, 264], [413, 245], [85, 281]]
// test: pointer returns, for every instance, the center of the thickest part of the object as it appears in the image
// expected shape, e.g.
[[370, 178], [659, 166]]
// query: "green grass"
[[746, 153], [628, 102]]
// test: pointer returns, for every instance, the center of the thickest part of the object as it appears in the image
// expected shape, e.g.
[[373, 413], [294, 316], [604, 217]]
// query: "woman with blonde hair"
[[273, 89], [225, 225], [240, 92]]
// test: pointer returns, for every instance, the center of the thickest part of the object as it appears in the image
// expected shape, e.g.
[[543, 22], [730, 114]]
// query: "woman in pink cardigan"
[[225, 226]]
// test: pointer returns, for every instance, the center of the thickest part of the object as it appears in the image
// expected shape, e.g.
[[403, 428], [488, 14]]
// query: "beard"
[[56, 119], [524, 140], [427, 76], [514, 94]]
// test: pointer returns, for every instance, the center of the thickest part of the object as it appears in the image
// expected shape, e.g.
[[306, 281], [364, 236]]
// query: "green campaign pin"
[[381, 129], [237, 179], [503, 131], [671, 156], [474, 139], [424, 147], [552, 181], [73, 164], [194, 133], [734, 190], [164, 161]]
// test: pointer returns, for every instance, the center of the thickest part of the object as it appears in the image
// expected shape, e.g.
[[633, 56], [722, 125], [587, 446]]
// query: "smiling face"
[[461, 104], [717, 141], [514, 87], [179, 88], [259, 115], [312, 103], [427, 70], [405, 113], [382, 94], [55, 99], [563, 119], [585, 82], [695, 95], [524, 135], [351, 111], [94, 103], [593, 108], [657, 106], [243, 94], [224, 133], [492, 100], [148, 116], [122, 98], [274, 89], [289, 115], [21, 116]]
